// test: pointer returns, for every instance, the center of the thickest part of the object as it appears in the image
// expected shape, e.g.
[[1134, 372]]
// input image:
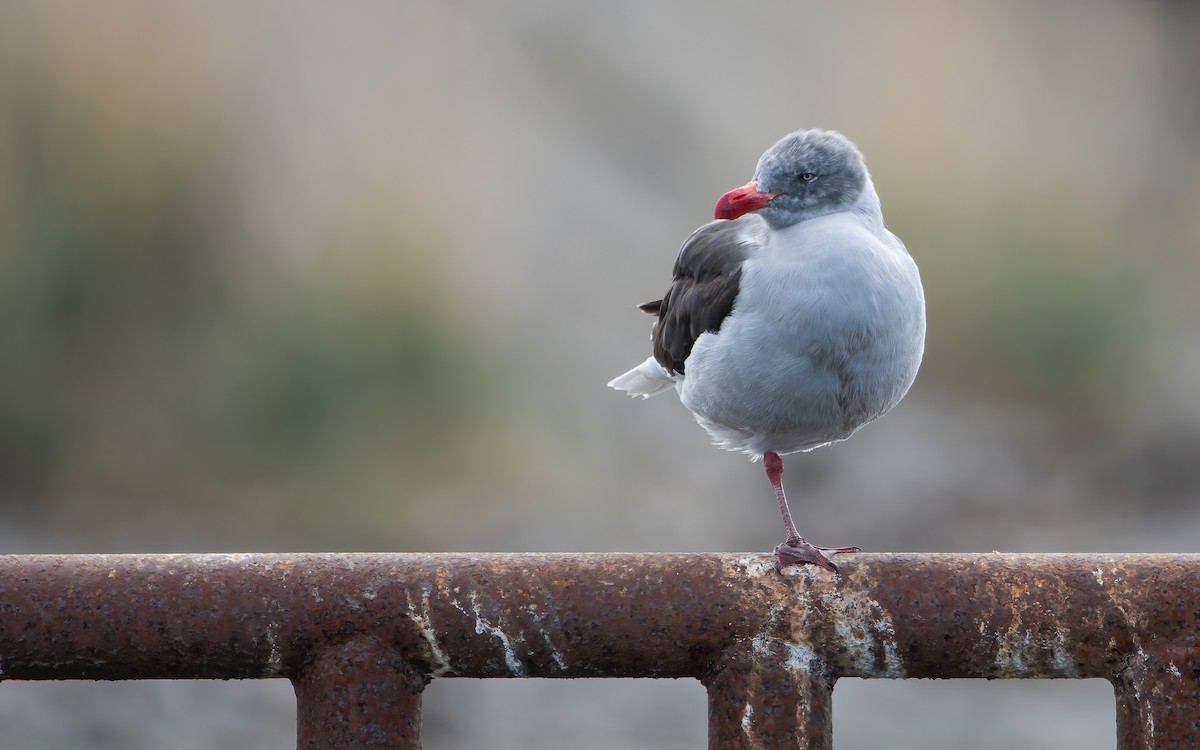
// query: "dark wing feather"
[[703, 290]]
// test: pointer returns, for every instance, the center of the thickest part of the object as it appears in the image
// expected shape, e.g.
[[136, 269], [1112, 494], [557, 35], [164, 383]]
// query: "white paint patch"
[[891, 659], [482, 626], [1099, 575], [857, 641], [1174, 669], [1060, 659], [1012, 650], [1144, 703], [864, 628], [538, 617], [510, 656], [802, 571], [425, 627], [754, 567], [801, 657], [274, 657], [556, 654], [748, 728], [1017, 650]]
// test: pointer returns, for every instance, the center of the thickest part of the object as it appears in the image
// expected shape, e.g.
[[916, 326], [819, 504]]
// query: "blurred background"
[[308, 276]]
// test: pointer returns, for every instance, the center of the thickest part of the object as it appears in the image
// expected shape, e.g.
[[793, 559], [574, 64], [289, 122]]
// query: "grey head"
[[812, 173]]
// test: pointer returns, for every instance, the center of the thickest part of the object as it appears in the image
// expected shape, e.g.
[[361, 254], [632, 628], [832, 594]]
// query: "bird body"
[[822, 340], [793, 319]]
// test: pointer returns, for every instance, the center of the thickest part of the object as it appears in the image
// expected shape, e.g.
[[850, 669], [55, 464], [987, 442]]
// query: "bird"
[[792, 319]]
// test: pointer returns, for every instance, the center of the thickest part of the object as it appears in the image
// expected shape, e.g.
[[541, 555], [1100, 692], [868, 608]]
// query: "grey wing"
[[703, 290]]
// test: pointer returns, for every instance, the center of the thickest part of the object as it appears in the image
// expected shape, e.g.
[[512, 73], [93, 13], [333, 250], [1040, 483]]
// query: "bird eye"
[[808, 176]]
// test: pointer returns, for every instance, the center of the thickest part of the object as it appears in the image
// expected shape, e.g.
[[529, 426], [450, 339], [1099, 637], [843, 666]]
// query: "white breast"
[[826, 335]]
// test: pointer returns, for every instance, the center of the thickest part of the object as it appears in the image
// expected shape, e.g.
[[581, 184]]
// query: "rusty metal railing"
[[359, 635]]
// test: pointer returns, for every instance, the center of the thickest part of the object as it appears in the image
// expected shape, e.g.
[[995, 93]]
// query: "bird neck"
[[867, 205]]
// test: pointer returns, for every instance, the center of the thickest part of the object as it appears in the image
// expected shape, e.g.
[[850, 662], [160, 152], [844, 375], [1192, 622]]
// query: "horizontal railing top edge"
[[596, 614], [476, 555]]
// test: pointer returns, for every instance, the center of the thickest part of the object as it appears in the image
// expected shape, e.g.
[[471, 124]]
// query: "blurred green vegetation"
[[1037, 315], [151, 357]]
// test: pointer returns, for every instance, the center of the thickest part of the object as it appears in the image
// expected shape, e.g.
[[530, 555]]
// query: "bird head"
[[806, 174]]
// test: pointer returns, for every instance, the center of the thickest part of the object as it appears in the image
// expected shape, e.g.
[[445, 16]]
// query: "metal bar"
[[1158, 705], [768, 693], [359, 694], [1131, 619]]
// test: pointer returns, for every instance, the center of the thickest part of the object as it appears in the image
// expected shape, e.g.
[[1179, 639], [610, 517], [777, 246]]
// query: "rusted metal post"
[[1158, 703], [767, 693], [359, 694]]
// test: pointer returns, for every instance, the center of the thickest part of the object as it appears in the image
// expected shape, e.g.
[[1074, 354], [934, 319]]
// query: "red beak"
[[742, 200]]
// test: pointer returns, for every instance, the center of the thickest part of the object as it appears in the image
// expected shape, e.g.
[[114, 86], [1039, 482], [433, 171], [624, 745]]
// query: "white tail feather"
[[646, 380]]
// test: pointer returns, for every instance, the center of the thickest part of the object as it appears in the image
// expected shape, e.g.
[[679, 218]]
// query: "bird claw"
[[800, 552]]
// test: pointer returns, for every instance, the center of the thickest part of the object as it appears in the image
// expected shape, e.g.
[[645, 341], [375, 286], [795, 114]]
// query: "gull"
[[793, 319]]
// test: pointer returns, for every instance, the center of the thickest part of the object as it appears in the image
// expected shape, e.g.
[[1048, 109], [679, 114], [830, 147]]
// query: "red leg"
[[795, 550]]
